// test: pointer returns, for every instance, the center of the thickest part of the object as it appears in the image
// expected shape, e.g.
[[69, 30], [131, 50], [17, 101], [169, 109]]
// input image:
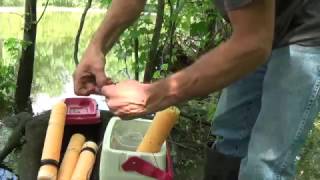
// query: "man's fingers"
[[86, 90], [124, 110], [84, 85], [101, 79], [82, 92]]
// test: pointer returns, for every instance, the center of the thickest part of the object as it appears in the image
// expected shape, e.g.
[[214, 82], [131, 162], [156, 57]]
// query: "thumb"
[[108, 90], [102, 79]]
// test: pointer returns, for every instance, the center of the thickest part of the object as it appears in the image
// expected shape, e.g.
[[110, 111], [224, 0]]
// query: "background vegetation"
[[154, 49]]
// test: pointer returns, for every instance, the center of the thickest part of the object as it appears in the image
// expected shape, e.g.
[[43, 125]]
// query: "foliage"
[[7, 86], [308, 164], [189, 138], [189, 29], [8, 64], [14, 46], [124, 48], [105, 2]]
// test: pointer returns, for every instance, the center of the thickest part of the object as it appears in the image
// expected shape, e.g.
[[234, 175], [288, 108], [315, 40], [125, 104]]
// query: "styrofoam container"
[[120, 142]]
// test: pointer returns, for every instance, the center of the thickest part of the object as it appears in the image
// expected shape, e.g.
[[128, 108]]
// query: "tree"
[[25, 72], [151, 63], [136, 58]]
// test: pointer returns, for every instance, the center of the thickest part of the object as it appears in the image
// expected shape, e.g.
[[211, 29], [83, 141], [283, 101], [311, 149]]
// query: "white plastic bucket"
[[120, 141]]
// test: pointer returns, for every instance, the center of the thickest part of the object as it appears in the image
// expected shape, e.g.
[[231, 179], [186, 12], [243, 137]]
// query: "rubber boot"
[[219, 166]]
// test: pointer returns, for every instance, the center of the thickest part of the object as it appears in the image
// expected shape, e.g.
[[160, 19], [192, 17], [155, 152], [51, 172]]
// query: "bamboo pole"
[[71, 157], [52, 144], [86, 161], [159, 130]]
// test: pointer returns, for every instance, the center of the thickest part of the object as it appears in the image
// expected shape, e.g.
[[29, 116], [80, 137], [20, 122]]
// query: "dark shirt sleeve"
[[235, 4]]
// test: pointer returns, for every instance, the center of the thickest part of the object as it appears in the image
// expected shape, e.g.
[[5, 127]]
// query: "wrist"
[[93, 57], [97, 44], [160, 95]]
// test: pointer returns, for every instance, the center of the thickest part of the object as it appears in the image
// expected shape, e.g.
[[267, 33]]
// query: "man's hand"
[[89, 76], [130, 98]]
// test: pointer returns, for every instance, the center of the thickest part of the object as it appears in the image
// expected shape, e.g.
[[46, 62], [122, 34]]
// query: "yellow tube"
[[159, 130], [52, 143], [86, 161], [71, 157]]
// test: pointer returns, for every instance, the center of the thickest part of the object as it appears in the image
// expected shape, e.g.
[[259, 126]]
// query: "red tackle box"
[[82, 110]]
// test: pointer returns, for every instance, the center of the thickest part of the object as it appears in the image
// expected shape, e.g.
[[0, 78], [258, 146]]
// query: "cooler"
[[119, 159]]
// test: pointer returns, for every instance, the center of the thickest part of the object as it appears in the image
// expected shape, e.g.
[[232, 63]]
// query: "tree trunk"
[[25, 73], [136, 59], [151, 64], [172, 26], [76, 44]]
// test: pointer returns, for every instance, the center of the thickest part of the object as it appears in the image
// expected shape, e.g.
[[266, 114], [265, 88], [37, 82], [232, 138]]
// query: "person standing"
[[269, 71]]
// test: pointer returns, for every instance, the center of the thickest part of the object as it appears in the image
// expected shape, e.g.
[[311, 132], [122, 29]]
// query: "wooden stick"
[[86, 161], [52, 143], [159, 130], [71, 157]]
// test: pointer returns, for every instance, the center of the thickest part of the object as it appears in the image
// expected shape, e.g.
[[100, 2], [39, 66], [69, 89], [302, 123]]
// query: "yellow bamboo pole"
[[159, 130], [52, 144], [86, 161], [71, 157]]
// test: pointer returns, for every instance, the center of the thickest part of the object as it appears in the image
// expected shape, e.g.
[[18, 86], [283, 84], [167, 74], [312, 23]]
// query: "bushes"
[[8, 66], [7, 87]]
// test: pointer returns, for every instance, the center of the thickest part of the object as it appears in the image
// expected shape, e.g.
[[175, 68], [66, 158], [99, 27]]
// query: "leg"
[[289, 104], [237, 111]]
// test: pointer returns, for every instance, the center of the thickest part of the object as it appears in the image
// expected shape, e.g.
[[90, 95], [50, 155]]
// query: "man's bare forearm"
[[120, 15], [213, 71], [248, 48]]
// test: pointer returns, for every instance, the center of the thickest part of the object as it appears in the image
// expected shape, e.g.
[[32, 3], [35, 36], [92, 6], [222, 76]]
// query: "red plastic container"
[[82, 111]]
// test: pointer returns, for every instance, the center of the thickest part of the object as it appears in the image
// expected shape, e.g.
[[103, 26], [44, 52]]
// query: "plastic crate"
[[82, 111]]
